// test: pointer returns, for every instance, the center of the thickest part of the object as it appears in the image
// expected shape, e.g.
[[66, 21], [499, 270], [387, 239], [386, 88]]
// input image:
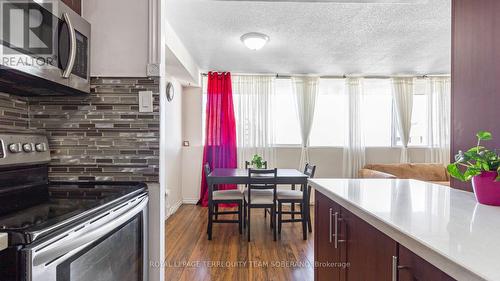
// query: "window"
[[287, 128], [329, 124], [420, 116], [419, 135], [377, 112], [329, 128]]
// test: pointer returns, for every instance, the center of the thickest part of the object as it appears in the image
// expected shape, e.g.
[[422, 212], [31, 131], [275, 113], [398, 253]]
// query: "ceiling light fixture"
[[254, 40]]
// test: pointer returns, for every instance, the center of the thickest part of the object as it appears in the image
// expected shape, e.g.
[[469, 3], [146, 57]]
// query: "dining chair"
[[232, 196], [295, 197], [260, 193], [248, 164]]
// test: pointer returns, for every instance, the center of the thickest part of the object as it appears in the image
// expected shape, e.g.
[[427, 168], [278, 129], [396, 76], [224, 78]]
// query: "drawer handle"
[[394, 268], [330, 225], [336, 235]]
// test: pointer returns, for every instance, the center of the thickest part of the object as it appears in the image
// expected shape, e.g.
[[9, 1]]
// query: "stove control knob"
[[40, 147], [27, 147], [15, 147]]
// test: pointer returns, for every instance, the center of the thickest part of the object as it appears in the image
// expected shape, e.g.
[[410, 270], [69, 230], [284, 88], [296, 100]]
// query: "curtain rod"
[[280, 76]]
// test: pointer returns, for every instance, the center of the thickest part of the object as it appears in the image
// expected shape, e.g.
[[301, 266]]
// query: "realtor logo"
[[27, 28]]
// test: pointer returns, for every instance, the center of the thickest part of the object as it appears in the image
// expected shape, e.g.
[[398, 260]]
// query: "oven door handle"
[[74, 240], [72, 49]]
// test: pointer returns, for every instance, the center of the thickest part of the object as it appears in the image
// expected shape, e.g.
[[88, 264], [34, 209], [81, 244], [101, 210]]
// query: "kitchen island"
[[386, 229]]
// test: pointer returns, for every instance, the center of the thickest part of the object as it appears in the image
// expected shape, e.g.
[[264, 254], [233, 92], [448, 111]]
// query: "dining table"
[[240, 176]]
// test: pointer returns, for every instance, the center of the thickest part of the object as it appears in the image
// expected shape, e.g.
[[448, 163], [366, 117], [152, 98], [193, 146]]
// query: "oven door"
[[111, 246]]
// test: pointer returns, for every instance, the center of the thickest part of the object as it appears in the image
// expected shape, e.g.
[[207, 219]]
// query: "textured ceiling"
[[316, 38]]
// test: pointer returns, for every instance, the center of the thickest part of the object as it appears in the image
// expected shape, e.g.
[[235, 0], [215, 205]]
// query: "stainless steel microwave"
[[45, 48]]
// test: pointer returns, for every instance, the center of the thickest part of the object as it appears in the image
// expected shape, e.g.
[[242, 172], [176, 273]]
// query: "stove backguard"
[[29, 183]]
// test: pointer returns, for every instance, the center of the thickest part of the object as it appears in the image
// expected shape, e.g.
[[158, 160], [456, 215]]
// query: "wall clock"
[[170, 91]]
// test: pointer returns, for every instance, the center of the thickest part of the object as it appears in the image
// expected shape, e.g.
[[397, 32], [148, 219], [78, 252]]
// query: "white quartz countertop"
[[447, 227]]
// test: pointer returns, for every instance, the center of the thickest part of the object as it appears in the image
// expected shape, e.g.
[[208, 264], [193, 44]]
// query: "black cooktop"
[[34, 209]]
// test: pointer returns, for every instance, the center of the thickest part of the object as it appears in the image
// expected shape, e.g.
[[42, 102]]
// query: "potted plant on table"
[[482, 166], [257, 161]]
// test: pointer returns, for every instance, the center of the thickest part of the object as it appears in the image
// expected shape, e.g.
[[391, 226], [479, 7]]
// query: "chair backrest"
[[207, 170], [310, 170], [248, 164], [262, 177], [259, 179]]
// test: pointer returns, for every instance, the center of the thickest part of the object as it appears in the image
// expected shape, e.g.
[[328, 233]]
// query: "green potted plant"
[[257, 161], [482, 166]]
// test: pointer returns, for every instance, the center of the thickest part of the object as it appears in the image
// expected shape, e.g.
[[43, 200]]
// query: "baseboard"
[[173, 209], [190, 201]]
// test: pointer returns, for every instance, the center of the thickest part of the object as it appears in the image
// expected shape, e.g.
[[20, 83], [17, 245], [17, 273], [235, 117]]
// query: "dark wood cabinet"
[[414, 268], [75, 5], [342, 238], [370, 253], [326, 247]]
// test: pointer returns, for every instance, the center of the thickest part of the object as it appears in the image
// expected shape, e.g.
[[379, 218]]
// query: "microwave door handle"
[[72, 51], [60, 248]]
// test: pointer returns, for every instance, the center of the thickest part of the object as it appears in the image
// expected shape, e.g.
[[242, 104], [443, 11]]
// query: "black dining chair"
[[260, 193], [233, 196], [295, 197], [248, 164]]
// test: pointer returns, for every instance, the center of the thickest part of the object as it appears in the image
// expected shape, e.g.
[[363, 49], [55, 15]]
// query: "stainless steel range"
[[66, 230]]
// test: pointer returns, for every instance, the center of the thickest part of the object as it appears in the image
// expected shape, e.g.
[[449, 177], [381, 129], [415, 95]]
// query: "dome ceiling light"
[[254, 40]]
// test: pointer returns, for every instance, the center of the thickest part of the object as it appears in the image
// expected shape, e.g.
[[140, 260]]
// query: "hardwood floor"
[[190, 256]]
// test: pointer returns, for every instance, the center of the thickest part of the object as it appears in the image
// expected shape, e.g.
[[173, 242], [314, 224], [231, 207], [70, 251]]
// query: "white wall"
[[173, 149], [182, 69], [119, 40], [180, 58], [192, 155]]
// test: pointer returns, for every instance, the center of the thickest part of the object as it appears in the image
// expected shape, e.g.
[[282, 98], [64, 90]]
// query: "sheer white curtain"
[[254, 127], [306, 91], [402, 93], [354, 152], [439, 120]]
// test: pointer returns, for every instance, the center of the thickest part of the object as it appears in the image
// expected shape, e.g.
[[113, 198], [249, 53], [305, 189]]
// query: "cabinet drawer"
[[414, 268]]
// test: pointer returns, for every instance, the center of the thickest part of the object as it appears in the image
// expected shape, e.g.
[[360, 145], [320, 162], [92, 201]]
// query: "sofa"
[[435, 173]]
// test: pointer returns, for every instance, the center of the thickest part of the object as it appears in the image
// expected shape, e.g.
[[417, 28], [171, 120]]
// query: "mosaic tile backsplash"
[[102, 136], [13, 112]]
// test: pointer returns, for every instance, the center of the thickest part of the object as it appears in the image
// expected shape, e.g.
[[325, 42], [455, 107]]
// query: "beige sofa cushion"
[[373, 174], [424, 172]]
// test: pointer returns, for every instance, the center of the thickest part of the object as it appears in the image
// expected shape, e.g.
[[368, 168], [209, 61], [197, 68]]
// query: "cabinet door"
[[414, 268], [75, 5], [370, 253], [326, 256]]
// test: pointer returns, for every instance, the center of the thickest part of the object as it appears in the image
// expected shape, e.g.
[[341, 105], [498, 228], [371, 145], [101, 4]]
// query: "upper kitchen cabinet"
[[119, 37], [76, 5]]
